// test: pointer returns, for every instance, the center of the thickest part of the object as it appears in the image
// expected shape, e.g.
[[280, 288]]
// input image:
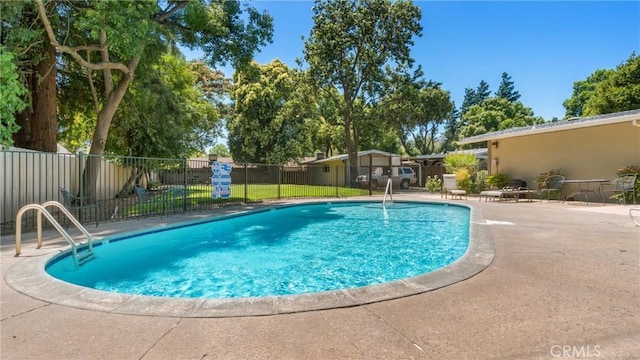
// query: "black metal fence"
[[109, 188]]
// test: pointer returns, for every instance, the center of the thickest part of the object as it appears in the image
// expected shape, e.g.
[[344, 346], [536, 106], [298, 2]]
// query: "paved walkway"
[[565, 283]]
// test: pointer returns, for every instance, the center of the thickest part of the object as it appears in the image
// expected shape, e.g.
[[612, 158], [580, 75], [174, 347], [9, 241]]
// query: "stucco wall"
[[585, 153]]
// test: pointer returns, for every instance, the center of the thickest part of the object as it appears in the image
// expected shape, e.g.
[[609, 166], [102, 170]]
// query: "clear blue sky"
[[545, 46]]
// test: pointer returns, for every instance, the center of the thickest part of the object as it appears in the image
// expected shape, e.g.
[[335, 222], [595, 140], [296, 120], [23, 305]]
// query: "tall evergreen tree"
[[468, 101], [506, 89], [482, 92], [452, 127], [474, 96]]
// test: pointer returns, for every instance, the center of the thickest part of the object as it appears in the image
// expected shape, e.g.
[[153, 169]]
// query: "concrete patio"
[[564, 283]]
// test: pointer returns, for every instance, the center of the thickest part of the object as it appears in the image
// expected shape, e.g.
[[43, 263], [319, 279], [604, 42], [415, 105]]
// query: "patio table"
[[584, 188]]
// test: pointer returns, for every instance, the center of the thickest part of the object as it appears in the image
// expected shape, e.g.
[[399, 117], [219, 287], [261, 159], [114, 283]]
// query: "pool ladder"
[[388, 190], [80, 256]]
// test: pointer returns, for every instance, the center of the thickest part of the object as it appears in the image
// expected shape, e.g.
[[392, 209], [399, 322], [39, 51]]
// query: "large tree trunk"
[[38, 122], [352, 151], [92, 169]]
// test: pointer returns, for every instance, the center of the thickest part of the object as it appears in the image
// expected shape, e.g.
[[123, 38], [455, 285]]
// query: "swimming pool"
[[285, 251], [28, 276]]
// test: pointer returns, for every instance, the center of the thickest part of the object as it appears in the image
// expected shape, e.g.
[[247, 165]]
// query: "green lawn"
[[199, 195]]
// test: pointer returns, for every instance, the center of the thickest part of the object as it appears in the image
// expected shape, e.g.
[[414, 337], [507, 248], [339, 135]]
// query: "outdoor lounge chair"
[[552, 185], [622, 185], [78, 203], [450, 186], [517, 190]]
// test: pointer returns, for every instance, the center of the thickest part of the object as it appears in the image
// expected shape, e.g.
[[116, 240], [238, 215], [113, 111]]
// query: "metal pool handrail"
[[388, 190], [637, 222], [43, 211]]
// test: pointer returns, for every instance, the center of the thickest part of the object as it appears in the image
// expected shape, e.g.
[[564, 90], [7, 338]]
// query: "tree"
[[11, 101], [36, 65], [416, 108], [112, 37], [474, 96], [496, 114], [618, 92], [166, 113], [274, 115], [482, 92], [468, 100], [582, 91], [330, 135], [452, 125], [506, 89], [348, 47], [606, 91], [436, 106], [399, 110], [220, 150]]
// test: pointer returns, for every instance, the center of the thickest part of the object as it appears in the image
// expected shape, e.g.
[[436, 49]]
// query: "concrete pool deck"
[[565, 282]]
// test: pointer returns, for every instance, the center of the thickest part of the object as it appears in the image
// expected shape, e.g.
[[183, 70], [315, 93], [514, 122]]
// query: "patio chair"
[[142, 194], [623, 185], [450, 186], [73, 203], [552, 185], [155, 201]]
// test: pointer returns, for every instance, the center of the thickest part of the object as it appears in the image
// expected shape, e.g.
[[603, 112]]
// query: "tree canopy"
[[108, 40], [348, 48], [606, 91], [360, 89], [495, 114], [274, 115], [416, 109], [11, 100], [167, 113], [582, 92]]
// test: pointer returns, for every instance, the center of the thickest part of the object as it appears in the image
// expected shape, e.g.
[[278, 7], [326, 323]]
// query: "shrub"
[[480, 183], [454, 162], [463, 179], [433, 184], [499, 180], [464, 166], [628, 170]]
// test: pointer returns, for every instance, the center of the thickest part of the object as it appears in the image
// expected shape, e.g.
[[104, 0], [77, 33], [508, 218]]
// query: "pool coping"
[[29, 278]]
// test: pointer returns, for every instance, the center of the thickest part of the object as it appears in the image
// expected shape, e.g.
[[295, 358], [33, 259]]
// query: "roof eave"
[[560, 127]]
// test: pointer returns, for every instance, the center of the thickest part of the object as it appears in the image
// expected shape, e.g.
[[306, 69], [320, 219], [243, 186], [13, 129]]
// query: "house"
[[438, 159], [581, 148], [333, 171], [432, 164]]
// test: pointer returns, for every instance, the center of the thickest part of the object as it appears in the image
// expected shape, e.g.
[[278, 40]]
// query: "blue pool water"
[[290, 250]]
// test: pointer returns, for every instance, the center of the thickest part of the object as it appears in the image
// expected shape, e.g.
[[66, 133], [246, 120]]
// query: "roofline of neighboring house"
[[576, 123], [343, 157], [478, 152]]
